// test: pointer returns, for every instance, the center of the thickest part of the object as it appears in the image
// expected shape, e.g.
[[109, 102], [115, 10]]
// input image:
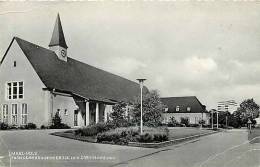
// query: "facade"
[[184, 107], [37, 82]]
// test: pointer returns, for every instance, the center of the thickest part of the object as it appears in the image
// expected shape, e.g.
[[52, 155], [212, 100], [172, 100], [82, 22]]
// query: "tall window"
[[14, 114], [5, 113], [24, 113], [15, 90], [188, 108], [177, 108]]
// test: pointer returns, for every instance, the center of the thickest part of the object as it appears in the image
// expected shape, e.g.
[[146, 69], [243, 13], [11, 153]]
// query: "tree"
[[249, 108], [152, 109], [118, 115]]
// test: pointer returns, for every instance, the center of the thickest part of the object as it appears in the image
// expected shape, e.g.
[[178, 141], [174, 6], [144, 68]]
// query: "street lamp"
[[141, 82]]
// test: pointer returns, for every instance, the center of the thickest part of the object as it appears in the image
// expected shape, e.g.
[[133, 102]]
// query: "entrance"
[[76, 117]]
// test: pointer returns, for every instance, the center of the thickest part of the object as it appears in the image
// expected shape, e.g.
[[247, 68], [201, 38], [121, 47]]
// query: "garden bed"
[[151, 137]]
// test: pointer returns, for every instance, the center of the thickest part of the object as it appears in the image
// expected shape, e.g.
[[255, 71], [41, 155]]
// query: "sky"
[[208, 49]]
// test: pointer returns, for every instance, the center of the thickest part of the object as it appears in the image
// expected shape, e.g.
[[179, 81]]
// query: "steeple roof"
[[58, 38]]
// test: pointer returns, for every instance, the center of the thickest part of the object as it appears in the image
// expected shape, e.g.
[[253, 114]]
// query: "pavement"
[[36, 148]]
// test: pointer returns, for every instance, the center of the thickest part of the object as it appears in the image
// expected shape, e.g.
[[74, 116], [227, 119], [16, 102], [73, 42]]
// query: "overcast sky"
[[207, 49]]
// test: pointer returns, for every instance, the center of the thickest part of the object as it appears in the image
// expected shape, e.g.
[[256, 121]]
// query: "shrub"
[[145, 138], [44, 127], [124, 135], [94, 129], [30, 126], [185, 121], [202, 121], [160, 137], [3, 126], [56, 123]]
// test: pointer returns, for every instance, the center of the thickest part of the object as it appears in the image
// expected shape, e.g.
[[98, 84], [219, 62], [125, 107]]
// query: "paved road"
[[222, 149]]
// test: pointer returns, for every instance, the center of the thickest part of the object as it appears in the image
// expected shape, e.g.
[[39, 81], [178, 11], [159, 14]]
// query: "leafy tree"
[[152, 109], [118, 115], [249, 109]]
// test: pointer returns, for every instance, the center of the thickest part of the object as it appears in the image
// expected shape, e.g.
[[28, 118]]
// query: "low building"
[[184, 107], [38, 82]]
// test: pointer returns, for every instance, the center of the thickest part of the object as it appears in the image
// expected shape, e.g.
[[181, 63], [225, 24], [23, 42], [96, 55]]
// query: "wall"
[[193, 117], [63, 102], [33, 94]]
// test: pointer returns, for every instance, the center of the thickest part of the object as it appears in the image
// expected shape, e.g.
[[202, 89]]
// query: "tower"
[[58, 43]]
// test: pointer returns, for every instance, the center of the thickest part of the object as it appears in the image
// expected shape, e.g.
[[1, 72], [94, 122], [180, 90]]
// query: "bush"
[[3, 126], [94, 129], [44, 127], [145, 138], [185, 121], [30, 126], [56, 123], [125, 135]]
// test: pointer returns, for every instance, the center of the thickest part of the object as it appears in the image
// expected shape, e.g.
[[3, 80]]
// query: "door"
[[76, 118]]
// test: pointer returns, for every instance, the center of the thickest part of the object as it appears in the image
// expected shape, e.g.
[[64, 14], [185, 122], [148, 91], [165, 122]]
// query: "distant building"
[[227, 106], [189, 107], [38, 82]]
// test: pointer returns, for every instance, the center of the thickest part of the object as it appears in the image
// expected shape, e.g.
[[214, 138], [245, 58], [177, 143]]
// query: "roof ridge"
[[178, 97]]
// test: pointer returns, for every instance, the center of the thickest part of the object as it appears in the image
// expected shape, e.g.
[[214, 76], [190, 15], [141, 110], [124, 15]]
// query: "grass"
[[177, 133], [254, 136]]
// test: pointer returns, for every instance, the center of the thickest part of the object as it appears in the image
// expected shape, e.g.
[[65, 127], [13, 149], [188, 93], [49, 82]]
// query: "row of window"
[[178, 109], [14, 90], [14, 114]]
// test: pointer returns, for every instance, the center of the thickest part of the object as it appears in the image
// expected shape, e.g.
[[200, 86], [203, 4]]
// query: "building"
[[185, 107], [37, 82], [227, 106]]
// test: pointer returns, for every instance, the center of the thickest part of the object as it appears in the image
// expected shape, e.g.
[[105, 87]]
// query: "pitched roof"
[[183, 103], [58, 38], [77, 77]]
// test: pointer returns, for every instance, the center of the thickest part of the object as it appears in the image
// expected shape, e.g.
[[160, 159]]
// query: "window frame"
[[12, 123], [5, 113], [9, 90], [24, 114], [177, 108]]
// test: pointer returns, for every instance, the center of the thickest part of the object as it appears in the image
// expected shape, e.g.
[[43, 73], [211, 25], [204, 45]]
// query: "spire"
[[58, 38]]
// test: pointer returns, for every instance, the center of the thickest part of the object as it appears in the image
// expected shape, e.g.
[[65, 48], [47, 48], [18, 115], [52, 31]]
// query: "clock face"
[[63, 53]]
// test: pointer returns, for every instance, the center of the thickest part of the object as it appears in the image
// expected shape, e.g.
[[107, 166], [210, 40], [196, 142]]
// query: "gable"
[[23, 71]]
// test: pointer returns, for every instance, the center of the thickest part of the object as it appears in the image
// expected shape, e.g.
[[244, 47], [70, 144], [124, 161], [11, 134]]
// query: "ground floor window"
[[5, 113], [24, 114], [14, 114]]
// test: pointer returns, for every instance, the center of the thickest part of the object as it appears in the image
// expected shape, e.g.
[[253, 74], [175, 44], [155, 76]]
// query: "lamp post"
[[141, 82]]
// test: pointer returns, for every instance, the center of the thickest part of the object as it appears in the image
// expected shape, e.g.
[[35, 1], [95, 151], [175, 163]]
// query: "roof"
[[76, 77], [58, 38], [183, 103]]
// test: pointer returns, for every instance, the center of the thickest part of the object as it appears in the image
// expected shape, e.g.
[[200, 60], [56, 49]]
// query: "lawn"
[[254, 136], [181, 132]]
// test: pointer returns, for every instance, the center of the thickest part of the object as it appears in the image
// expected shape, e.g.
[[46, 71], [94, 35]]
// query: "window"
[[15, 90], [65, 112], [24, 114], [5, 113], [58, 111], [14, 63], [188, 108], [177, 108], [166, 109], [14, 114]]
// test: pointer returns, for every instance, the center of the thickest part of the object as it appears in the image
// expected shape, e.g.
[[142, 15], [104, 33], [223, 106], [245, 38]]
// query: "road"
[[229, 149]]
